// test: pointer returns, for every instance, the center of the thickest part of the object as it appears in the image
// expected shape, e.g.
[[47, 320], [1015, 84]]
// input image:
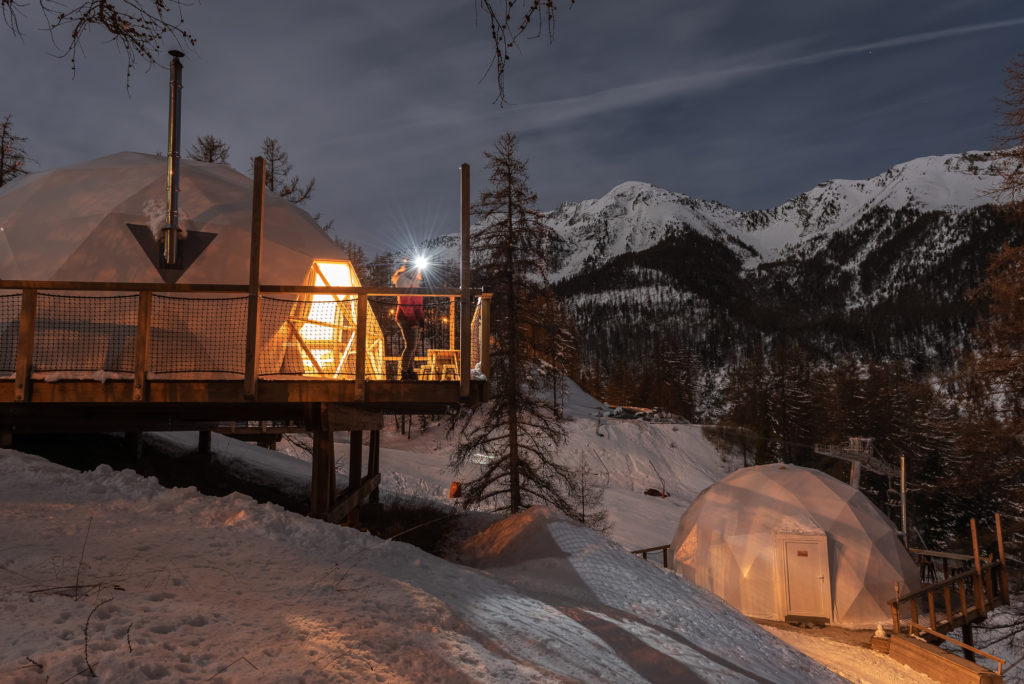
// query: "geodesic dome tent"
[[99, 221], [783, 542]]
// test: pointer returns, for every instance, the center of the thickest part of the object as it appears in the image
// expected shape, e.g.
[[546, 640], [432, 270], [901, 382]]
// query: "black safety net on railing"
[[197, 335], [435, 355], [299, 335], [79, 334], [10, 308]]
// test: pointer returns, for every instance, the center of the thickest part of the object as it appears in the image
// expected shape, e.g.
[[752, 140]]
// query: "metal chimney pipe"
[[169, 256]]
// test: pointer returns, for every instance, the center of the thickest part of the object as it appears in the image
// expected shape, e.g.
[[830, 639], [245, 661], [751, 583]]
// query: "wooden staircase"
[[958, 601]]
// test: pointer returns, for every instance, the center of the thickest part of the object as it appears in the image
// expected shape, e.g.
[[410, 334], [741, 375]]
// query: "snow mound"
[[643, 612]]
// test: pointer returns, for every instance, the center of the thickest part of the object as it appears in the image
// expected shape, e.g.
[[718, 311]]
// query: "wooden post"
[[373, 467], [967, 632], [931, 609], [465, 308], [252, 319], [133, 444], [26, 345], [355, 459], [485, 336], [322, 484], [896, 610], [451, 322], [855, 474], [361, 348], [947, 601], [205, 444], [979, 592], [142, 333], [355, 471], [961, 586], [1004, 582]]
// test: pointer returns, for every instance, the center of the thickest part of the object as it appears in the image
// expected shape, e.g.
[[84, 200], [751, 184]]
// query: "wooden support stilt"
[[373, 467], [322, 484], [205, 442], [133, 444], [355, 471], [967, 632], [355, 459]]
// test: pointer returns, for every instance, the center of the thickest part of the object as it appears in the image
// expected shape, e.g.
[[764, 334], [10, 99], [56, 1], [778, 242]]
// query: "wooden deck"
[[126, 391]]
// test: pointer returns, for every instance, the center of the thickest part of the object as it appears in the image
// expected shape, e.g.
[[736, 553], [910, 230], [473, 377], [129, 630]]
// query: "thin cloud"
[[562, 111]]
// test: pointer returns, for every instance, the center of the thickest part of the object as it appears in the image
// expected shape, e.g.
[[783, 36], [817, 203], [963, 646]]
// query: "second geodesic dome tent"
[[784, 542], [99, 222]]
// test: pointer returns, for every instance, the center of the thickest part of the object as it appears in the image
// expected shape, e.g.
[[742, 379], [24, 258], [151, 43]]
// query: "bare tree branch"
[[137, 27], [509, 21]]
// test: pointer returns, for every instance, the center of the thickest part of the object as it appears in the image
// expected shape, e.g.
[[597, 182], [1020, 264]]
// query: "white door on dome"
[[806, 584]]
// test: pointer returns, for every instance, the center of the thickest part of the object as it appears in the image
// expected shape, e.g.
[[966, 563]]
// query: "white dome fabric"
[[730, 542], [72, 224], [97, 222]]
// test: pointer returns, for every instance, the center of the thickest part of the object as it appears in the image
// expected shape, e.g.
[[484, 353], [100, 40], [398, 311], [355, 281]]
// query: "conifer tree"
[[279, 178], [517, 437], [209, 149], [1011, 143], [12, 152]]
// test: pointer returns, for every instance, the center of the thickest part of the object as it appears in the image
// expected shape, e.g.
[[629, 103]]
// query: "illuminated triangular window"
[[324, 326]]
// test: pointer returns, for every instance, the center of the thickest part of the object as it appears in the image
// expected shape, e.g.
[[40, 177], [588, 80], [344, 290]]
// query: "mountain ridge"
[[643, 213]]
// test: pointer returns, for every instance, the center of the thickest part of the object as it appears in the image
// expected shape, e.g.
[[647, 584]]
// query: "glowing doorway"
[[324, 326]]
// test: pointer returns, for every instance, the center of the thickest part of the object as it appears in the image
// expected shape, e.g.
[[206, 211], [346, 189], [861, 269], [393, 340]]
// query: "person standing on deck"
[[409, 314]]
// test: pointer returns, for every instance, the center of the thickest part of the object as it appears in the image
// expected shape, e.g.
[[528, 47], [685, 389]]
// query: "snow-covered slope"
[[109, 574], [626, 457]]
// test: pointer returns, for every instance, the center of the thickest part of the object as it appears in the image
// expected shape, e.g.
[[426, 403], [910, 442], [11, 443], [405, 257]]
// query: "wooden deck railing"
[[143, 339], [960, 599], [663, 549], [966, 647]]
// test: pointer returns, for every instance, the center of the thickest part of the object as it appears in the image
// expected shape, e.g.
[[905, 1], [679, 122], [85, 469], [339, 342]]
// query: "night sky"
[[744, 102]]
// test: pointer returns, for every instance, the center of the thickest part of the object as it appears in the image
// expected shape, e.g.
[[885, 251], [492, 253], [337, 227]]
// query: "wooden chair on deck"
[[442, 364]]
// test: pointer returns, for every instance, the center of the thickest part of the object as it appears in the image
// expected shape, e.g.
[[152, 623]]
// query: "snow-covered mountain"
[[635, 216], [673, 288], [668, 291]]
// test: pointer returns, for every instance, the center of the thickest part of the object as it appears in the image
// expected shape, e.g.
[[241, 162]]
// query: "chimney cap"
[[176, 53]]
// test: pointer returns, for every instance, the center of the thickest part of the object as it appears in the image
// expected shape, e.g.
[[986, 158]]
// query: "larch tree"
[[516, 438], [278, 170], [511, 21], [12, 152], [138, 27], [209, 149], [1011, 141]]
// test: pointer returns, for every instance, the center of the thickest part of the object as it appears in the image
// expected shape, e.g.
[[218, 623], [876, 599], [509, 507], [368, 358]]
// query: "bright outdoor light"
[[421, 262]]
